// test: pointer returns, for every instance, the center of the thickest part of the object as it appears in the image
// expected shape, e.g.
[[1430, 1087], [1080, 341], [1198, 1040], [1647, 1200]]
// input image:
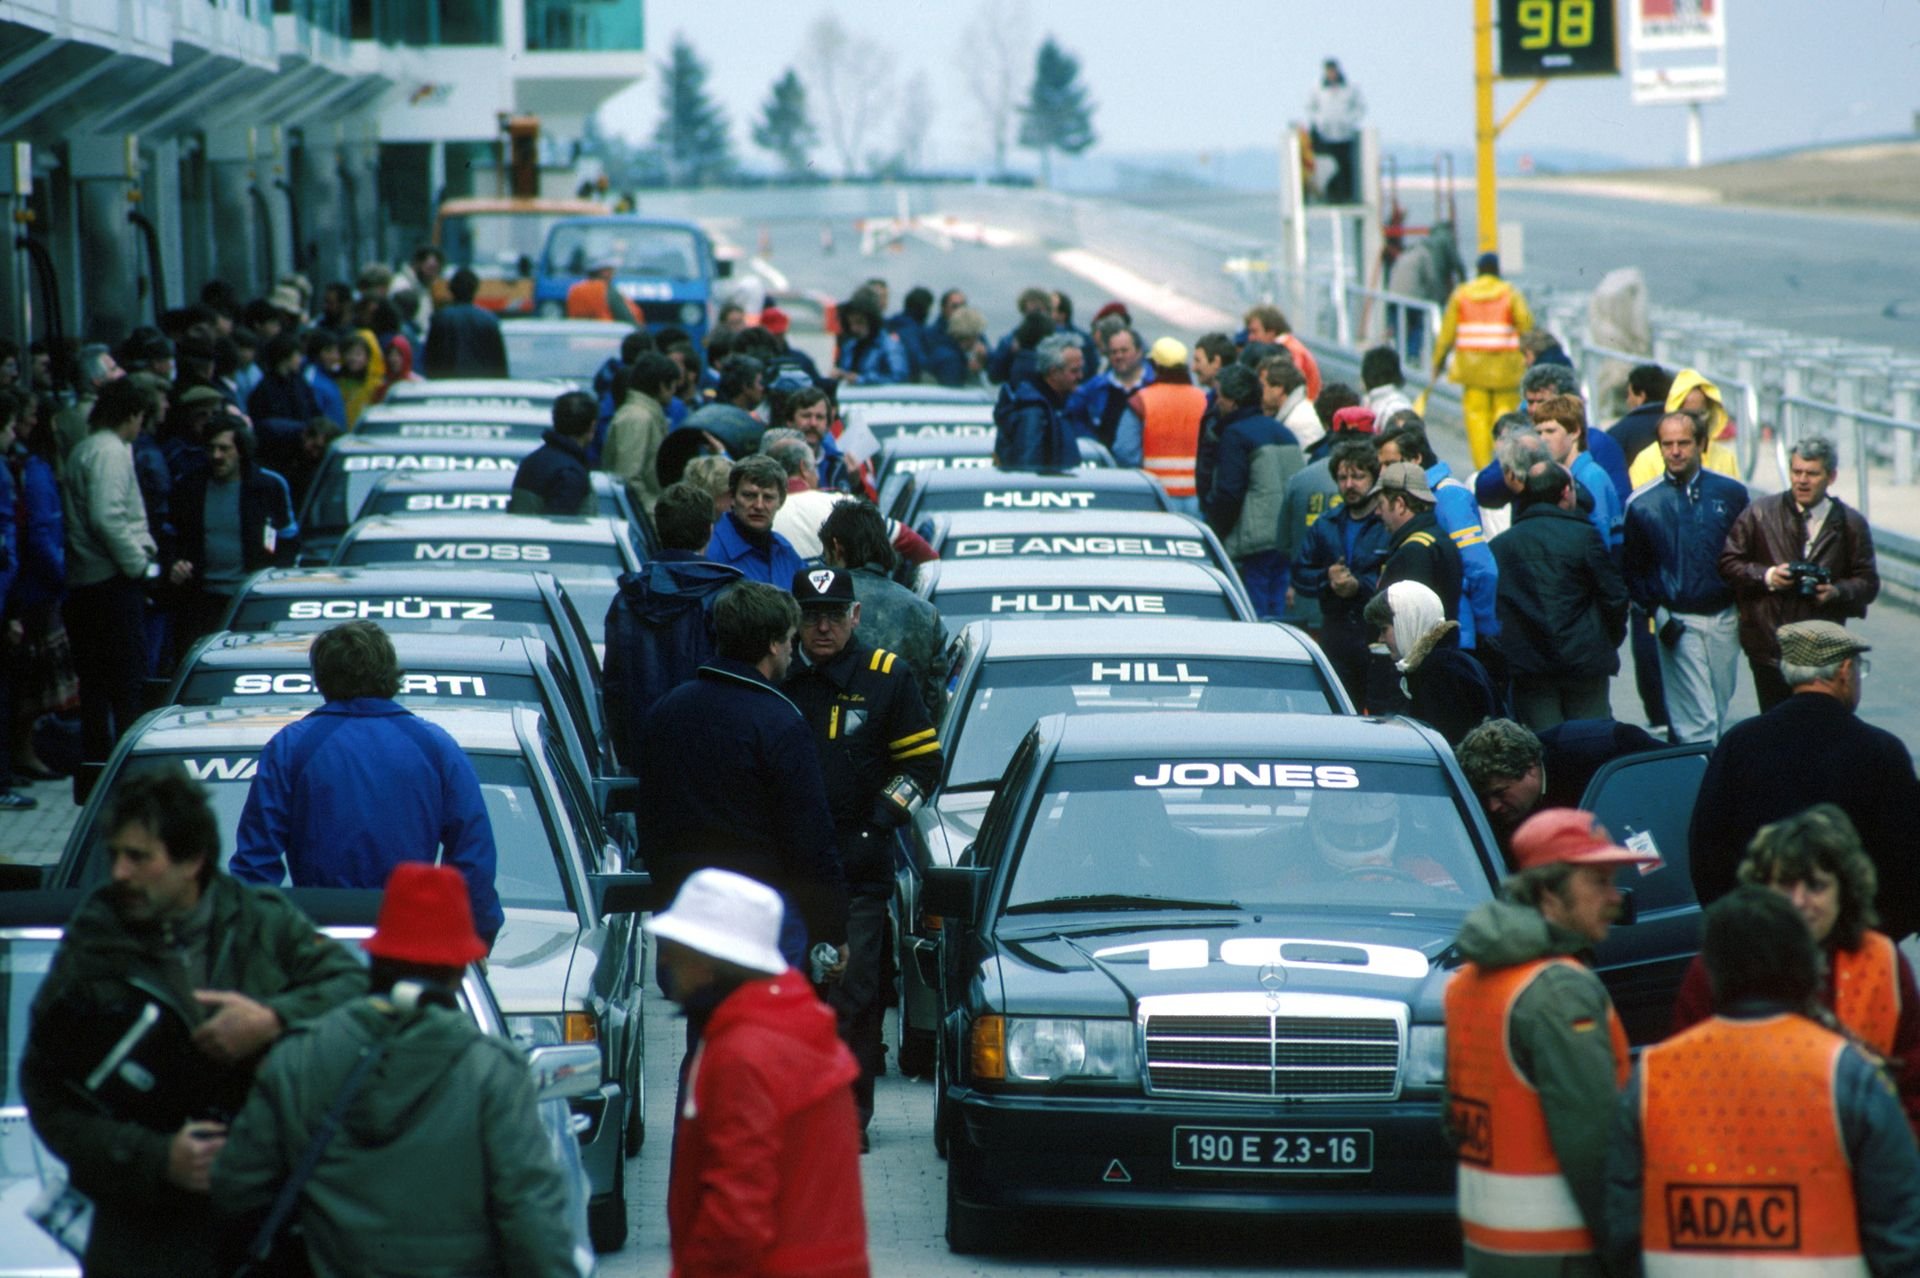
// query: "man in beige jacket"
[[638, 426], [111, 555]]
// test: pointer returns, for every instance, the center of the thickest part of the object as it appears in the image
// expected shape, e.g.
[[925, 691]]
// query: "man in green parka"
[[215, 971], [440, 1165]]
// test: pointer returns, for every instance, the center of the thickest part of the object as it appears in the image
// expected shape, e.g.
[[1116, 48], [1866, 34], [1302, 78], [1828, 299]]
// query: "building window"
[[428, 22], [584, 26]]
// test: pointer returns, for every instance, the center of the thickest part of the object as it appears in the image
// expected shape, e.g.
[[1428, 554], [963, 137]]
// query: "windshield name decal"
[[1144, 672], [1269, 776], [489, 550], [458, 501], [300, 683], [1023, 500], [428, 461], [1080, 603], [236, 769], [452, 430], [411, 608], [1135, 547]]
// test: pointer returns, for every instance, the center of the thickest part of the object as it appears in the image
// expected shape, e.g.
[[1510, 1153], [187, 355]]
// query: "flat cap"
[[1818, 643], [1405, 477]]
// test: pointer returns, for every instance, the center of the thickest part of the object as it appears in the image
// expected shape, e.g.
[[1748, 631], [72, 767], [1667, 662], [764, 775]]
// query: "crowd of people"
[[776, 693]]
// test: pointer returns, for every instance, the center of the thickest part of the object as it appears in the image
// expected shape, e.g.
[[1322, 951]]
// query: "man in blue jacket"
[[1031, 432], [1340, 562], [1675, 528], [744, 537], [362, 784], [742, 787], [660, 625]]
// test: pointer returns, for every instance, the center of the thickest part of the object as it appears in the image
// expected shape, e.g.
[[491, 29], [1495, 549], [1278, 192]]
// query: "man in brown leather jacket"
[[1769, 552]]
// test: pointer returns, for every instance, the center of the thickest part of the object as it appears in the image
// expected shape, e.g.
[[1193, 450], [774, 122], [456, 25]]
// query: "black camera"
[[1808, 578]]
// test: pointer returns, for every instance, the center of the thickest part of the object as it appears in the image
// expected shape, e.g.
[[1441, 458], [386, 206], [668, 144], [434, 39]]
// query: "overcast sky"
[[1226, 74]]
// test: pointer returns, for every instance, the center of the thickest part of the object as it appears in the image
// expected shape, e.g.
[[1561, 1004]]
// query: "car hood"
[[1102, 964], [24, 1249], [531, 967]]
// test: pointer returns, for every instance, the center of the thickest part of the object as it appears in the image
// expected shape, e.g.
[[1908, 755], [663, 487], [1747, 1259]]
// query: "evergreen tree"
[[692, 134], [785, 127], [1056, 115]]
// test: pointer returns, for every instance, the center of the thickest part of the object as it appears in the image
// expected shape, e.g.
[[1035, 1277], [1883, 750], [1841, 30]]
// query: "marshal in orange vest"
[[1866, 990], [1745, 1163], [1169, 416], [1513, 1198]]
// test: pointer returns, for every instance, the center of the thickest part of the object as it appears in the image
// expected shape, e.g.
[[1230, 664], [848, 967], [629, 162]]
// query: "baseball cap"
[[1818, 643], [286, 298], [426, 917], [201, 395], [775, 321], [1168, 352], [1568, 836], [1405, 477], [823, 588], [726, 916]]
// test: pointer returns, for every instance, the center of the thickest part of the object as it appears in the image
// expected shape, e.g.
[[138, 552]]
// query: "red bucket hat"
[[426, 918], [1355, 417], [775, 321]]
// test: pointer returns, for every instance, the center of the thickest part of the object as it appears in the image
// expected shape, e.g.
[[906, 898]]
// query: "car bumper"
[[600, 1144], [1062, 1152]]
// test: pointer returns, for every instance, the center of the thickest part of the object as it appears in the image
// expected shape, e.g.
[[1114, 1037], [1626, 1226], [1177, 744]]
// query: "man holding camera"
[[1803, 555]]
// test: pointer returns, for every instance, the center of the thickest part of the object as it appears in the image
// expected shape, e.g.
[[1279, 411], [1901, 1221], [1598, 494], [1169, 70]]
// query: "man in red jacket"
[[766, 1157]]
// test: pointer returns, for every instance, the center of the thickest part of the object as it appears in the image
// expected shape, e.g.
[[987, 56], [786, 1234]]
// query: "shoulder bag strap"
[[290, 1189]]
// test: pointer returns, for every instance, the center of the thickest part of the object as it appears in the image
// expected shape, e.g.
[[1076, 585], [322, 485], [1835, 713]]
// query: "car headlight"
[[1427, 1056], [692, 313], [550, 1029], [1034, 1049]]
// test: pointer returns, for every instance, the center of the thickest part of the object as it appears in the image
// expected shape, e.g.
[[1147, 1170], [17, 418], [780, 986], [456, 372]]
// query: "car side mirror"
[[616, 794], [564, 1071], [952, 892], [1629, 912], [20, 878], [723, 268], [85, 778], [625, 892], [153, 693]]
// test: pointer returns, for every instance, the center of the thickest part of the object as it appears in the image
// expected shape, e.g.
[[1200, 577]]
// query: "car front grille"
[[1273, 1055]]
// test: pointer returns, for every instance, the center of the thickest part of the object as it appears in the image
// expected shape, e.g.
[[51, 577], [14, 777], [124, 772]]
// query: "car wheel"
[[607, 1217], [636, 1086], [971, 1231]]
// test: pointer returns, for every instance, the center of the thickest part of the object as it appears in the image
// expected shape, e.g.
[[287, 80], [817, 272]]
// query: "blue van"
[[667, 267]]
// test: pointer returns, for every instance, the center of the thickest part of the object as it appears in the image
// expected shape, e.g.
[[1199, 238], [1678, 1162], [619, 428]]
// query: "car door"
[[1646, 802]]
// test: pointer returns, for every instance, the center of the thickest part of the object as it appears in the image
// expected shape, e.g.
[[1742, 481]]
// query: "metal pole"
[[1693, 135], [1484, 130]]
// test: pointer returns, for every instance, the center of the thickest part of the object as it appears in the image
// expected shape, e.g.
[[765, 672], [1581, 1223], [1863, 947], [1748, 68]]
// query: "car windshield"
[[467, 501], [568, 356], [1269, 833], [527, 874], [226, 686], [1076, 545], [653, 252], [24, 961], [346, 480], [1009, 695], [958, 607]]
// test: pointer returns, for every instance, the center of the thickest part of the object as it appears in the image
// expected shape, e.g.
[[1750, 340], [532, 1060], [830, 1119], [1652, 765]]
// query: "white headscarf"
[[1417, 611]]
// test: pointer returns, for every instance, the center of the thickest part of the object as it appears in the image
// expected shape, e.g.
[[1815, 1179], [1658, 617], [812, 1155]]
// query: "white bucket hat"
[[729, 917]]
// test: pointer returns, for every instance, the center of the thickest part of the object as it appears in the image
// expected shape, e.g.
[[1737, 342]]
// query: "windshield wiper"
[[1119, 901]]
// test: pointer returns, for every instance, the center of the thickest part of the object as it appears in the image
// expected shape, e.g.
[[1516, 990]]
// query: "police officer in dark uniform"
[[879, 755]]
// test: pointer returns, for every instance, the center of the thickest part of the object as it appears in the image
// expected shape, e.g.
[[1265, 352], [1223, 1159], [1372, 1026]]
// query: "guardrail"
[[1858, 421]]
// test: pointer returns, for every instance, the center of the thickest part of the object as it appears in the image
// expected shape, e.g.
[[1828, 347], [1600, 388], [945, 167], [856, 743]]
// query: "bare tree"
[[912, 122], [851, 77], [1000, 38]]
